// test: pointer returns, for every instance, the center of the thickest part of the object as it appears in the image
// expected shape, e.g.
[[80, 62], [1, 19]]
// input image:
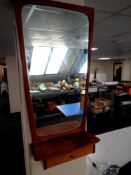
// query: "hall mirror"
[[55, 45], [55, 48]]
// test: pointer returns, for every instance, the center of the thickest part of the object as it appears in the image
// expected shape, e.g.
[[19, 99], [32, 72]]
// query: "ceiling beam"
[[29, 14]]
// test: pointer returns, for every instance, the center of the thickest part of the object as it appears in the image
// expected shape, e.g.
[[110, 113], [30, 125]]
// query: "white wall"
[[13, 84], [126, 69], [25, 127], [105, 69]]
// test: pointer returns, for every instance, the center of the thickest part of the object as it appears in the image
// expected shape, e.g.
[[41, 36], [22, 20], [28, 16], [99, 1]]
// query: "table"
[[48, 93], [71, 109]]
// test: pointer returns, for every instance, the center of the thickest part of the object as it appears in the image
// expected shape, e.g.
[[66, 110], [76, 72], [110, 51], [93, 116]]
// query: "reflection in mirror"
[[56, 47]]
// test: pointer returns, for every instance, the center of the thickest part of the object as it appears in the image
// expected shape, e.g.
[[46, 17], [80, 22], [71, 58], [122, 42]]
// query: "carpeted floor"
[[11, 144]]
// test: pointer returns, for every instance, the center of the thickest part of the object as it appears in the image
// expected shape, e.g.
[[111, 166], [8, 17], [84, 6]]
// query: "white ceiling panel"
[[6, 31], [108, 5], [55, 21], [5, 3], [127, 12], [112, 33], [99, 16], [53, 27], [115, 25]]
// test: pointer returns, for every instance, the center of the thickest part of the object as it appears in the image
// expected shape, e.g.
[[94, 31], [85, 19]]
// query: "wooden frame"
[[39, 142]]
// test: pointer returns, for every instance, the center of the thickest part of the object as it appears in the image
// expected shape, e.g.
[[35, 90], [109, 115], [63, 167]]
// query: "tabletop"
[[71, 109]]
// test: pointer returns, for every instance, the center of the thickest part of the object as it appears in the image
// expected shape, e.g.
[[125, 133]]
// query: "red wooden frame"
[[18, 5]]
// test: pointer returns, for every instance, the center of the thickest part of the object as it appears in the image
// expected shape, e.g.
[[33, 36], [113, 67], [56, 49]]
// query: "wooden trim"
[[57, 128], [18, 8], [70, 147]]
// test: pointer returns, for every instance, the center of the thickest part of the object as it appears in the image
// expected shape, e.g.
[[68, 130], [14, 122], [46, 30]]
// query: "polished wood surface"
[[57, 128], [59, 147], [63, 149], [61, 158]]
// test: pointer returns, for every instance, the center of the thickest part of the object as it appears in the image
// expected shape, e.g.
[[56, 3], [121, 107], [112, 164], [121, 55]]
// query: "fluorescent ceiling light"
[[83, 70], [94, 48], [104, 58], [39, 60], [56, 59], [85, 40]]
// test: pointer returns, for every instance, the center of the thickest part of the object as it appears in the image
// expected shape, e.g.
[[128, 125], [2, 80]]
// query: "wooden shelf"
[[60, 150], [57, 128]]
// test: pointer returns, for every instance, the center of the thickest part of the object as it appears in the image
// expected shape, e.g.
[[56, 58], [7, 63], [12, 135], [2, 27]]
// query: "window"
[[83, 69], [56, 59], [39, 60], [45, 61]]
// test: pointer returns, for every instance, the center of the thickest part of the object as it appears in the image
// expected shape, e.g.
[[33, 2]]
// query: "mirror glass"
[[56, 49]]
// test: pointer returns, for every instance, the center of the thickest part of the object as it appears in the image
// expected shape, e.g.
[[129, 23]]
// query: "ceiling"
[[53, 27], [112, 28], [7, 46]]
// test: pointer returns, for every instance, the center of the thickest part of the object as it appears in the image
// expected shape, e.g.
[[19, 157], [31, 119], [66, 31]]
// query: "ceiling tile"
[[108, 5], [127, 12], [56, 21], [6, 31], [5, 3], [99, 16], [114, 25]]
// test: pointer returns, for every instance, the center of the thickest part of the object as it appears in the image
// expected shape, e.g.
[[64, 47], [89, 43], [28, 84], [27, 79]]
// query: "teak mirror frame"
[[76, 142]]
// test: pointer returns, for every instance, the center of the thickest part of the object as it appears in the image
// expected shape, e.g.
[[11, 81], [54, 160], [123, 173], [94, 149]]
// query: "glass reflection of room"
[[57, 61]]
